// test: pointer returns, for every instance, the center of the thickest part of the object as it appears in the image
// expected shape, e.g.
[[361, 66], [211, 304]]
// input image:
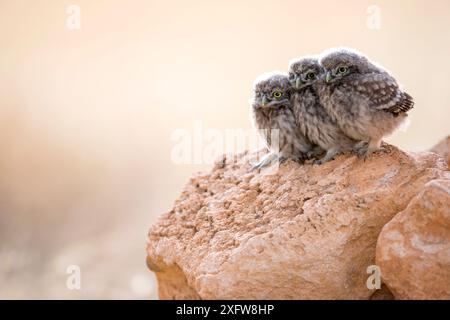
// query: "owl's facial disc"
[[304, 74], [272, 92], [263, 101], [337, 73], [272, 99], [310, 76], [297, 80]]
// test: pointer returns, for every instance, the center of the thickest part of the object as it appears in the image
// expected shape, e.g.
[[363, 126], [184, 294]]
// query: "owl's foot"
[[330, 155], [364, 153], [314, 153], [364, 149], [320, 161], [266, 160], [360, 147], [282, 159]]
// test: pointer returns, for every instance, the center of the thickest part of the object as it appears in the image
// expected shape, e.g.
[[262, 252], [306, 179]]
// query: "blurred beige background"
[[86, 116]]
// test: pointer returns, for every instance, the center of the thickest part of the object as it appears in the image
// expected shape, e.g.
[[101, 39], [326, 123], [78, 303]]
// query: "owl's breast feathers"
[[384, 93]]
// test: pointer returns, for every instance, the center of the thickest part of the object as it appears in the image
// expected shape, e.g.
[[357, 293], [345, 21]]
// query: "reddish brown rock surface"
[[443, 148], [304, 232], [413, 249]]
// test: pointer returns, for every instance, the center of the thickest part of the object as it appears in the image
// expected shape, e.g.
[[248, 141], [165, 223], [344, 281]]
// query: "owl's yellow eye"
[[277, 94], [310, 75], [342, 69]]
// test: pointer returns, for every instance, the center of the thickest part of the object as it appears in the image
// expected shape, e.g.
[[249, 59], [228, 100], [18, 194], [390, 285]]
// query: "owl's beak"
[[328, 77], [263, 100], [296, 82]]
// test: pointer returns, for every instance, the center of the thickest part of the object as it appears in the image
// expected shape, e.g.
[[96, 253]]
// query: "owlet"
[[362, 97], [305, 75], [272, 116]]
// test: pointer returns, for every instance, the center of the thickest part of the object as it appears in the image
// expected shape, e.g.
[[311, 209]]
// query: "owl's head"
[[271, 90], [339, 63], [304, 72]]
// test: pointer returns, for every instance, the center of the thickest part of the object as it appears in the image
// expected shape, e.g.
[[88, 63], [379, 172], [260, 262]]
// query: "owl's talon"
[[311, 155], [330, 155], [318, 162], [382, 150], [255, 167], [314, 153], [364, 153], [324, 160], [282, 159], [266, 160]]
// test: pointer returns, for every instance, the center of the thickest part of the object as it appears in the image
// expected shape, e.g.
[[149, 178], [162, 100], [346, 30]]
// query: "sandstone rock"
[[443, 148], [413, 249], [383, 294], [303, 232]]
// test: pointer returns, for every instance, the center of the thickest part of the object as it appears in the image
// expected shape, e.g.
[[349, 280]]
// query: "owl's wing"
[[384, 93]]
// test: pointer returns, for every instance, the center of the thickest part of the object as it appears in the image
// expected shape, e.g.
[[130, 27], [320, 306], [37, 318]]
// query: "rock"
[[383, 294], [413, 250], [302, 232], [443, 148]]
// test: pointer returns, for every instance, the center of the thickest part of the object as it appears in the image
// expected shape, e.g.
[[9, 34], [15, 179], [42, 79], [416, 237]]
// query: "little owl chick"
[[305, 75], [363, 98], [272, 116]]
